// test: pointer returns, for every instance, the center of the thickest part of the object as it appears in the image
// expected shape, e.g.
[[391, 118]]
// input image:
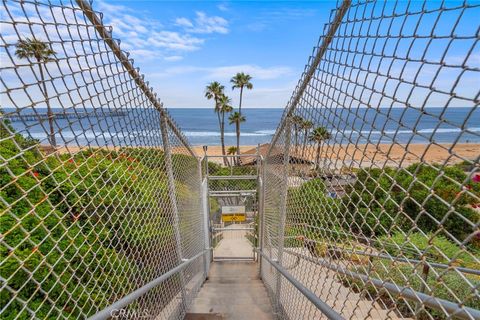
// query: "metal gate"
[[233, 184]]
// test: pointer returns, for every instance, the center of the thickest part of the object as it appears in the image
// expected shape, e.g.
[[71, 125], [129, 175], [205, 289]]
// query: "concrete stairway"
[[233, 291]]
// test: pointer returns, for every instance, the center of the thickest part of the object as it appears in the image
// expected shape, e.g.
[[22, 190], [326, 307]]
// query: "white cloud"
[[173, 58], [226, 72], [183, 22], [223, 7], [192, 95], [255, 71], [174, 41], [203, 24], [149, 38], [145, 38]]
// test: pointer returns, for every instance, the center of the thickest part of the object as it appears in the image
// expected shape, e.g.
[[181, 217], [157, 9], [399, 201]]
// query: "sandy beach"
[[368, 154], [363, 155]]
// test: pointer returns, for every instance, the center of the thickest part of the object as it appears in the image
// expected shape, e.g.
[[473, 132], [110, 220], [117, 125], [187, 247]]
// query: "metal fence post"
[[173, 200], [283, 212], [204, 204], [207, 187], [261, 213]]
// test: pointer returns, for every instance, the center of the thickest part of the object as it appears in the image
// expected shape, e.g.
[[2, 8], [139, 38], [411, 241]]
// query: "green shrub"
[[438, 249], [313, 213], [69, 244], [405, 275], [389, 200]]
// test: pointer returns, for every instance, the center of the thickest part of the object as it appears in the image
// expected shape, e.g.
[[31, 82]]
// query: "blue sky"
[[181, 46], [380, 56]]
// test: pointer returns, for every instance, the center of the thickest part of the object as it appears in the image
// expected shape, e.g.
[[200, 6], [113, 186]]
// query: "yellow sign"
[[233, 217]]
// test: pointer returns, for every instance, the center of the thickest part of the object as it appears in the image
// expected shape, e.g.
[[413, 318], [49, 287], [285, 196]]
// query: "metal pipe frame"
[[431, 264], [261, 205], [235, 191], [235, 177], [283, 212], [407, 260], [223, 195], [233, 229], [125, 301], [204, 206], [454, 309], [209, 230], [173, 200], [322, 306], [235, 156]]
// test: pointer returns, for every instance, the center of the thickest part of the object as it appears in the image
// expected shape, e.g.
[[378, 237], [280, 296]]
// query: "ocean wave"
[[94, 134], [228, 134], [426, 130]]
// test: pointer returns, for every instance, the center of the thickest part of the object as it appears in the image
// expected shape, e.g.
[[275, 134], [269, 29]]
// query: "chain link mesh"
[[375, 215], [100, 191]]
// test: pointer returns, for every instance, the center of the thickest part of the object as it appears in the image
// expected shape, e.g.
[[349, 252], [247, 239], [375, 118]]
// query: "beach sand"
[[364, 155]]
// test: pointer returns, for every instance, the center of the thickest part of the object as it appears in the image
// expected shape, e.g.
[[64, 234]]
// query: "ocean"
[[346, 125]]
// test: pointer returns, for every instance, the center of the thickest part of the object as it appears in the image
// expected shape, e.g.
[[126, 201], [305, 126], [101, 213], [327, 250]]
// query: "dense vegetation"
[[77, 228], [418, 196], [396, 212]]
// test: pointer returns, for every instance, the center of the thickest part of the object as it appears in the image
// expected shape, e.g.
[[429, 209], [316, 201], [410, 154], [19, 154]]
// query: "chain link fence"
[[372, 181], [100, 192]]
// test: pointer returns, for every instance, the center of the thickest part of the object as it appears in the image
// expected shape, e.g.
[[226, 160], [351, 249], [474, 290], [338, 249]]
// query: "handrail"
[[321, 305], [431, 264], [408, 260], [454, 309], [107, 312]]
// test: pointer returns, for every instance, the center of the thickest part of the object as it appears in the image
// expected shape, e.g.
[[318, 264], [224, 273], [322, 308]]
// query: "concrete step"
[[240, 312], [228, 283], [231, 300], [204, 316], [233, 291]]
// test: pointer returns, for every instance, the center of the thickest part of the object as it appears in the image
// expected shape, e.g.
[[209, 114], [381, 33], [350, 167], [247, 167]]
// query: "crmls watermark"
[[129, 314]]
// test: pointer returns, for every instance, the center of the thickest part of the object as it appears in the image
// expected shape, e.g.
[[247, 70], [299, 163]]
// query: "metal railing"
[[101, 215], [371, 183]]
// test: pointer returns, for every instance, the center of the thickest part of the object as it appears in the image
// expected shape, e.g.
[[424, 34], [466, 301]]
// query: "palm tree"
[[231, 151], [215, 91], [224, 106], [42, 52], [319, 135], [241, 80], [305, 126], [297, 122], [236, 118]]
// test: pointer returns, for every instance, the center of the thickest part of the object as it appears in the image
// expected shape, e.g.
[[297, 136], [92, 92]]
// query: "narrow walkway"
[[234, 244], [233, 291]]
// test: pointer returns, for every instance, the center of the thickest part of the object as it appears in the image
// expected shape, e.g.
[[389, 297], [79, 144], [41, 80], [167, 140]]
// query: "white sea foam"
[[228, 134], [94, 134]]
